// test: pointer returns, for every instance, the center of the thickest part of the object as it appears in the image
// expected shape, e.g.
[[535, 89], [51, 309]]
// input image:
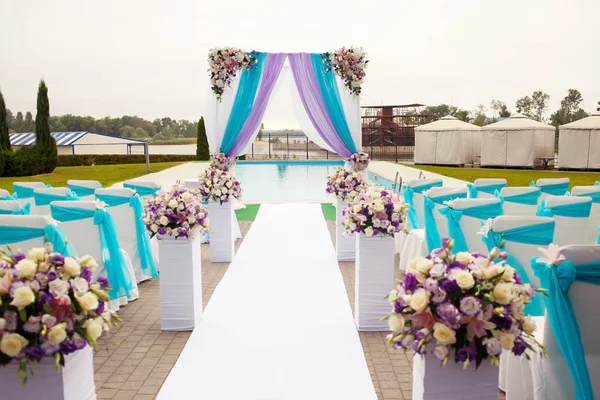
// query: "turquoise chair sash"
[[82, 190], [434, 241], [557, 279], [44, 199], [530, 199], [9, 197], [483, 212], [114, 262], [556, 189], [51, 234], [143, 241], [489, 189], [23, 192], [594, 195], [538, 234], [574, 210], [409, 192], [25, 210], [142, 190]]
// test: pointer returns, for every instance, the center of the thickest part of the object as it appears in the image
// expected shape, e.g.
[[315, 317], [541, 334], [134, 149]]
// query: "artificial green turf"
[[514, 177], [248, 213], [328, 212]]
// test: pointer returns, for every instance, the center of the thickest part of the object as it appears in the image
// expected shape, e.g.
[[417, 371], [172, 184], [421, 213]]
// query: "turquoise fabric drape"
[[408, 193], [82, 190], [44, 199], [557, 189], [22, 192], [434, 241], [576, 210], [538, 234], [51, 234], [332, 100], [557, 279], [244, 100], [482, 212], [489, 189], [530, 199], [25, 210], [142, 239], [142, 190], [114, 262]]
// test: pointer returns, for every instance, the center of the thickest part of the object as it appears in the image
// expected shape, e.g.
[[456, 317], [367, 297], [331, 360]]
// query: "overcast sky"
[[148, 58]]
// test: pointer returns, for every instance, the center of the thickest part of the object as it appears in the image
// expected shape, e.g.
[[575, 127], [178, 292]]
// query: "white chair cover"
[[28, 221], [569, 230], [594, 220], [3, 194], [550, 181], [10, 205], [85, 184], [418, 197], [33, 185], [471, 226], [45, 209], [147, 184], [511, 208], [85, 236], [479, 182]]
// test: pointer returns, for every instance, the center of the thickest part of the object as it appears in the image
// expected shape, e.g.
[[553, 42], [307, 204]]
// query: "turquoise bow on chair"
[[82, 190], [573, 210], [557, 279], [530, 198], [50, 233], [142, 190], [408, 192], [25, 210], [556, 189], [489, 189], [434, 241], [44, 199]]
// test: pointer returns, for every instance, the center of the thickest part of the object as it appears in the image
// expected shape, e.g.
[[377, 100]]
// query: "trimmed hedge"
[[79, 160], [23, 162]]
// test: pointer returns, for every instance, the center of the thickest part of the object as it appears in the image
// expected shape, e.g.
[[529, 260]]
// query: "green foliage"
[[569, 110], [479, 113], [525, 106], [261, 131], [77, 160], [4, 137], [436, 112], [45, 145], [202, 151], [499, 108], [23, 162], [539, 101]]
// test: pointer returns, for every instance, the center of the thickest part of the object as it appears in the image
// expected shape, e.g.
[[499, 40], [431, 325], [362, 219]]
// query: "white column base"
[[221, 232], [345, 246]]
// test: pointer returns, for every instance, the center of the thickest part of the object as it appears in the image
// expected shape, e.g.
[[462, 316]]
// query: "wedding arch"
[[327, 97]]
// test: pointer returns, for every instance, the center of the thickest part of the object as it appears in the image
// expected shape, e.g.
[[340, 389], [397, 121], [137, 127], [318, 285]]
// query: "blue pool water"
[[377, 179]]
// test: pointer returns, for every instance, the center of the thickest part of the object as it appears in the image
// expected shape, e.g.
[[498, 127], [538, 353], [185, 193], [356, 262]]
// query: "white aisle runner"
[[279, 325]]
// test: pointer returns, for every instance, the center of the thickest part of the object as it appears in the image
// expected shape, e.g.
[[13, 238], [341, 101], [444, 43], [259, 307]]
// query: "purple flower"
[[68, 347], [11, 320], [86, 274], [410, 282], [462, 355], [439, 296], [519, 347], [431, 284], [35, 353], [518, 280], [502, 323], [58, 259], [52, 275], [103, 282], [470, 305], [100, 308], [18, 257], [399, 306], [450, 286], [449, 313], [79, 341]]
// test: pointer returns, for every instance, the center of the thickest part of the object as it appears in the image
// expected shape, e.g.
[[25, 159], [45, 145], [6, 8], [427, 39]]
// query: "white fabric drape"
[[351, 106], [217, 114]]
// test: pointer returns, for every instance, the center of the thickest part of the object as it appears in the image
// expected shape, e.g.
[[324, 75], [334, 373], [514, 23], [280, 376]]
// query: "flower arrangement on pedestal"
[[465, 307], [177, 212], [219, 186], [350, 64], [221, 161], [359, 161], [49, 307], [375, 212], [224, 64], [346, 184]]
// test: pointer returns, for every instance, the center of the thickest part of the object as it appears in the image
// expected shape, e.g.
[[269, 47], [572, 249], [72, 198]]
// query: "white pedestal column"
[[452, 382], [374, 279], [180, 283], [221, 232], [74, 382], [345, 246]]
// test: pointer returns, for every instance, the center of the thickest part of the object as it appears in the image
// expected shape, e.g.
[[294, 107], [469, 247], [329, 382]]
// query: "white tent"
[[579, 143], [446, 141], [517, 141]]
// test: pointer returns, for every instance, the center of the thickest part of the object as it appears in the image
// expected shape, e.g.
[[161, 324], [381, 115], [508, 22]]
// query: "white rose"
[[393, 296], [163, 220], [493, 346], [38, 254], [59, 288], [26, 268], [529, 325], [507, 341], [464, 258], [22, 297], [57, 334], [437, 270], [88, 261], [192, 219], [88, 301], [356, 208], [71, 266], [464, 279], [154, 228], [369, 231], [378, 205], [79, 285], [172, 203], [419, 300], [443, 334], [396, 322], [12, 344], [509, 274], [423, 265], [412, 266], [93, 328], [504, 292]]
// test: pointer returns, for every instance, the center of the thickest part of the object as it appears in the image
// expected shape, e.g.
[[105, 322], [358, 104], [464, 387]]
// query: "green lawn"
[[248, 213], [515, 177], [328, 212], [106, 174]]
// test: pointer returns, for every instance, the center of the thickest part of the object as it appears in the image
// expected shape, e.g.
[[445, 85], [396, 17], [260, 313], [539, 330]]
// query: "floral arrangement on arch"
[[178, 212], [49, 307], [221, 161], [465, 307], [219, 186], [224, 64], [350, 65], [375, 212], [346, 184], [359, 161]]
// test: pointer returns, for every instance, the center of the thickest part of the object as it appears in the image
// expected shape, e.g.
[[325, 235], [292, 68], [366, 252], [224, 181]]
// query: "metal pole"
[[269, 146], [396, 146], [252, 149], [288, 144], [147, 153], [307, 149]]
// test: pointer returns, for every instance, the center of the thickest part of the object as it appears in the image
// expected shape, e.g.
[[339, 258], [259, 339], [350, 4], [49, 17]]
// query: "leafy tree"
[[499, 108], [4, 137], [479, 113], [525, 106], [44, 142], [539, 102], [569, 110], [29, 122], [463, 115], [19, 122], [202, 151], [439, 111], [261, 131]]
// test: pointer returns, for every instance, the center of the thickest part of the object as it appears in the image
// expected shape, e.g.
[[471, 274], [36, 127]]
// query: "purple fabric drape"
[[273, 64], [312, 100]]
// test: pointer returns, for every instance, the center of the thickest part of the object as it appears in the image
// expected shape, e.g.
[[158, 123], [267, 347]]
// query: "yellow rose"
[[369, 231], [57, 334], [378, 205], [506, 340], [88, 261], [443, 334], [396, 322], [12, 344], [464, 279], [71, 266], [529, 325], [26, 268], [37, 254], [504, 292], [163, 220], [22, 297], [419, 300], [93, 328], [464, 257], [88, 302], [423, 265], [509, 274]]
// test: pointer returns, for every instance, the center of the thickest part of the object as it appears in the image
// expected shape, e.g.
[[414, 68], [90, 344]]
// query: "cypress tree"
[[45, 143], [4, 137], [202, 151]]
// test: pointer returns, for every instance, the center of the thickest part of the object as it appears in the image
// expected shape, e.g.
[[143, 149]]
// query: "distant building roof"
[[62, 138], [400, 106]]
